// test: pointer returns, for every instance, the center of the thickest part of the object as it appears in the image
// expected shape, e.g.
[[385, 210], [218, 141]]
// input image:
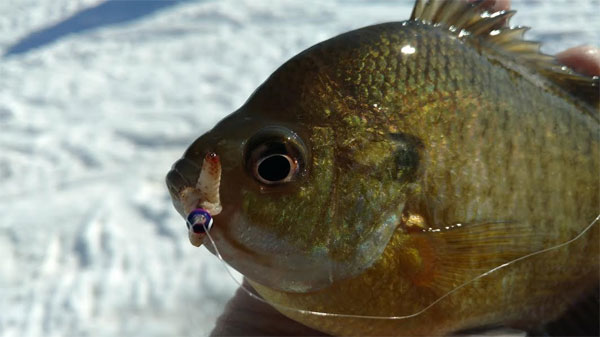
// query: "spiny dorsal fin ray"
[[470, 21], [449, 11], [487, 24], [506, 35]]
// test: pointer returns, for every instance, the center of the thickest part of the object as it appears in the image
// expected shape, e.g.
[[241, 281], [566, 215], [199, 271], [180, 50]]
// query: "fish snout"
[[183, 174], [195, 189]]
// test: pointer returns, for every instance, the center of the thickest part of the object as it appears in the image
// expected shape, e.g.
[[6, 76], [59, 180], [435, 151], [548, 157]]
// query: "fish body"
[[411, 178]]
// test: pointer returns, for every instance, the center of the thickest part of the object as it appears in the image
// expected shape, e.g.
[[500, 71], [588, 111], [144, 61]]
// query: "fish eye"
[[274, 155], [275, 168]]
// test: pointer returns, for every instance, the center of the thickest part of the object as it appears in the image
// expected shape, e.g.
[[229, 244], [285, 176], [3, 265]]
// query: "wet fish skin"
[[405, 119], [497, 147]]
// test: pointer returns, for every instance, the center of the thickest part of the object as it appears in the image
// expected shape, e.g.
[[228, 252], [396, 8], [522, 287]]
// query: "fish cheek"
[[340, 215], [368, 197], [299, 214]]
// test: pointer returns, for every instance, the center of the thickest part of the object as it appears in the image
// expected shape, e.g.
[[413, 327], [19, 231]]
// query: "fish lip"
[[202, 196], [185, 168], [179, 178], [192, 186]]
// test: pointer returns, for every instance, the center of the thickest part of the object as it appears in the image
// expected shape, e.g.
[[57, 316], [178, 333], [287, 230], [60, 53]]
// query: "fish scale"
[[486, 108], [441, 176]]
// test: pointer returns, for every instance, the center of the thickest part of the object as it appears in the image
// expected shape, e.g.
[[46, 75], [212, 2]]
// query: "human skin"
[[246, 316]]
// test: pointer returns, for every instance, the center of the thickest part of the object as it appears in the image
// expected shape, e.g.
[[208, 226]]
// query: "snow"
[[98, 99]]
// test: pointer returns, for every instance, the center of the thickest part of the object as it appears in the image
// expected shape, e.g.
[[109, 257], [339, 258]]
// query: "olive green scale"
[[513, 153], [449, 179]]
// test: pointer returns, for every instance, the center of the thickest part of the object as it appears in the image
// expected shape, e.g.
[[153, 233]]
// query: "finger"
[[246, 316], [499, 5], [582, 59]]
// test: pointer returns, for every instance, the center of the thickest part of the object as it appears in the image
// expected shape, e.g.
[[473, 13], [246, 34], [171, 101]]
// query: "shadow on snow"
[[104, 14]]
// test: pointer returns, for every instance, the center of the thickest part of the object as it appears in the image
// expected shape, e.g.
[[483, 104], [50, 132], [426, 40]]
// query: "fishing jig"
[[199, 221]]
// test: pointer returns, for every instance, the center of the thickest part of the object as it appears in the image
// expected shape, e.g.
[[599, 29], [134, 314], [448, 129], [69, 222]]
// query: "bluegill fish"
[[410, 178]]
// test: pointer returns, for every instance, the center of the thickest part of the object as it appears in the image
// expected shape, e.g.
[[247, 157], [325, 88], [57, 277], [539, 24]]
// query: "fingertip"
[[247, 316], [501, 5], [582, 59]]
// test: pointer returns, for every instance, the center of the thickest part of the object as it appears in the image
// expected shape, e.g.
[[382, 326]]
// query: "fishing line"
[[328, 314]]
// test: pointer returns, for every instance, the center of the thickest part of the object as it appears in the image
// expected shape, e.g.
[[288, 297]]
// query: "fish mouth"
[[189, 194], [258, 253], [202, 194]]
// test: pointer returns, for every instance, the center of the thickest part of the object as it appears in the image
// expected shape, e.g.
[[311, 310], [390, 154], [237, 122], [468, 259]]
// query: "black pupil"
[[274, 168]]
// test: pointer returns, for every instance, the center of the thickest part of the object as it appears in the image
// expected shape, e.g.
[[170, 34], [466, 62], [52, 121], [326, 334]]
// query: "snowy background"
[[97, 99]]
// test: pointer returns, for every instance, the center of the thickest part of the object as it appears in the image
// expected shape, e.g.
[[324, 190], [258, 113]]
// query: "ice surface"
[[94, 109]]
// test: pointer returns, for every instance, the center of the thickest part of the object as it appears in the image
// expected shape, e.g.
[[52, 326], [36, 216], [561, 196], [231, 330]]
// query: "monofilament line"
[[320, 313]]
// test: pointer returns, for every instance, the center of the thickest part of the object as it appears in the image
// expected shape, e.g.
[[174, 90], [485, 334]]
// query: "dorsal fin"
[[471, 20]]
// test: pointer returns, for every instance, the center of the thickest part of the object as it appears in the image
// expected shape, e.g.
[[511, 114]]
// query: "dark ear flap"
[[406, 155]]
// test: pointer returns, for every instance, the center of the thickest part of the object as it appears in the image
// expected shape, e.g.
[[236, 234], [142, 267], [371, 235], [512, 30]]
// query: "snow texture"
[[98, 99]]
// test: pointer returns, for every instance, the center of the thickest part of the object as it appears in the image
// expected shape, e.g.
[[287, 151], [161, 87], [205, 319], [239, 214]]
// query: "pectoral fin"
[[458, 253]]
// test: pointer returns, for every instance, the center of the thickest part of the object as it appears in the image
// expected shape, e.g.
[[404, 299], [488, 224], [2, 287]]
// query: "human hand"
[[582, 59], [246, 316]]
